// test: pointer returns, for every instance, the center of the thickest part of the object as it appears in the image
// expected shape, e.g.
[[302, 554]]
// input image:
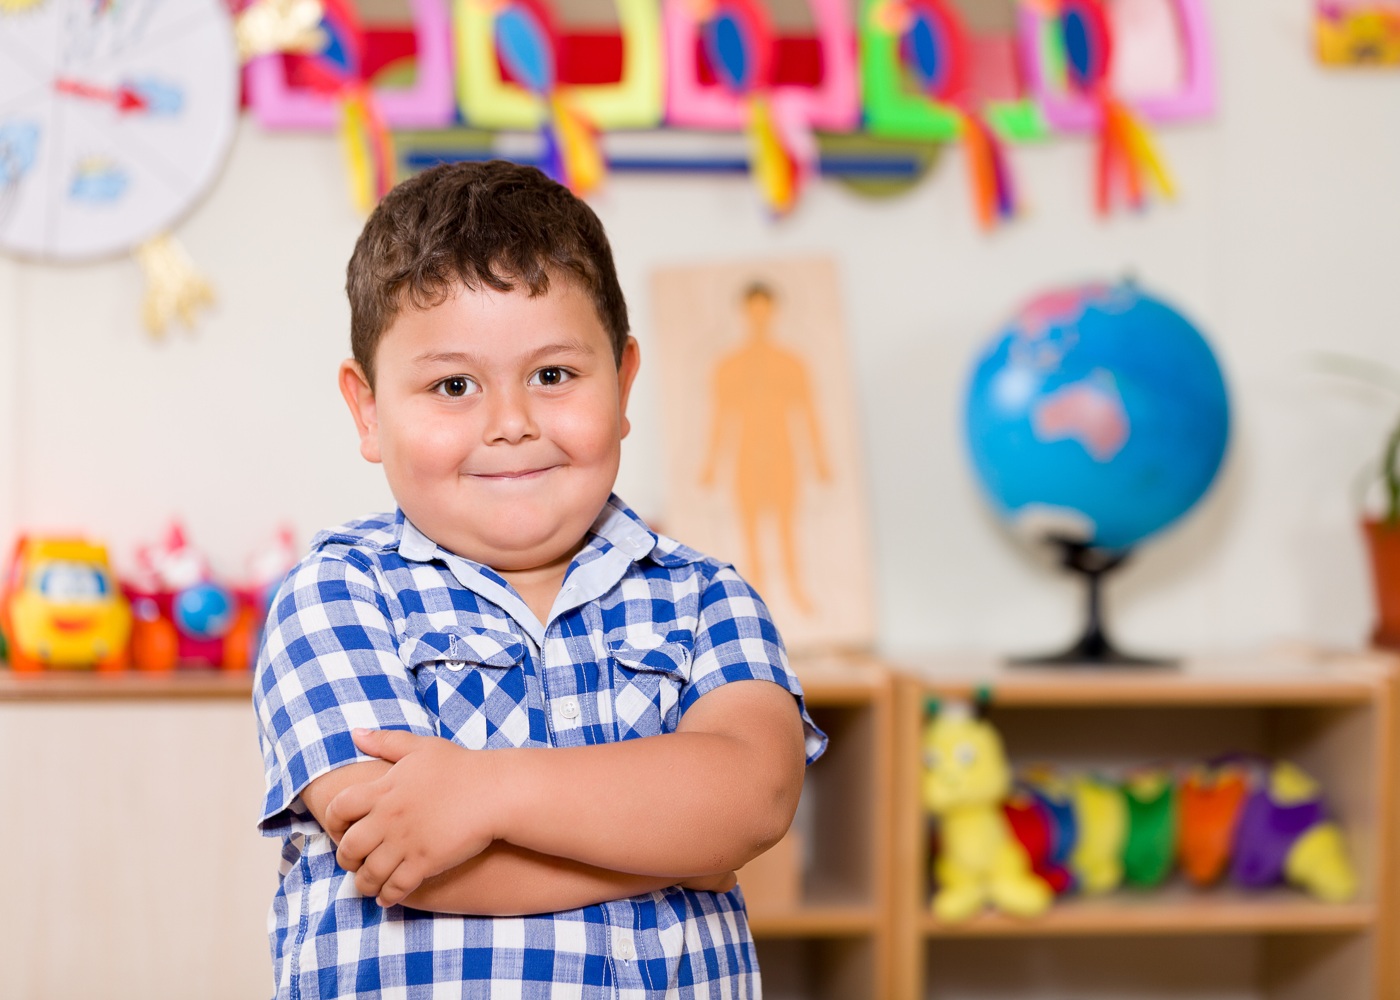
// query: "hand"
[[430, 812], [711, 883]]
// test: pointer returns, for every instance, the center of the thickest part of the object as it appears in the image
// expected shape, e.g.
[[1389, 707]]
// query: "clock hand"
[[125, 98]]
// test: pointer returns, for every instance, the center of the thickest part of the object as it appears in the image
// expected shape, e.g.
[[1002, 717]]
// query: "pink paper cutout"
[[834, 104], [1067, 111], [429, 103]]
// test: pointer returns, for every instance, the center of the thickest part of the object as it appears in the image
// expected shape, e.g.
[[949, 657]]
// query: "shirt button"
[[568, 708], [625, 949]]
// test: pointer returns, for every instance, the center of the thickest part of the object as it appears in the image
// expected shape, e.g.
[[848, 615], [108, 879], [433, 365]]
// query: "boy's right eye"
[[455, 386]]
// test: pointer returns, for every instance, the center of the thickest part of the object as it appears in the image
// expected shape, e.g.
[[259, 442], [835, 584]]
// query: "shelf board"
[[1287, 675], [84, 685], [841, 679], [1175, 910], [825, 920]]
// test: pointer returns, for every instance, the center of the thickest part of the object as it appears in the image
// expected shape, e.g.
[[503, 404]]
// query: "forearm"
[[506, 880], [700, 801]]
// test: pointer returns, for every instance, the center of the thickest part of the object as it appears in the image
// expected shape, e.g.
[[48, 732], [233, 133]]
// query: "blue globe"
[[204, 611], [1099, 415]]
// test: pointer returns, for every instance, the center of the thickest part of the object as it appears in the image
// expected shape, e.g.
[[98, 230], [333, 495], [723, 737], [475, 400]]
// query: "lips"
[[512, 476]]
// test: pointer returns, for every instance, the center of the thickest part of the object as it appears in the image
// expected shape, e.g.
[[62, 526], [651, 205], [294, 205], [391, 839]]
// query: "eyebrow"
[[571, 346]]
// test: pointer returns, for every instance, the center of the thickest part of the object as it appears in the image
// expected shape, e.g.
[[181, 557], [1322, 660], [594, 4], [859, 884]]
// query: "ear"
[[626, 375], [359, 396]]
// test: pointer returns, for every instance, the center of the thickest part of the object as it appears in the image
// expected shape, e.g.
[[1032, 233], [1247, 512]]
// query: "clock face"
[[115, 116]]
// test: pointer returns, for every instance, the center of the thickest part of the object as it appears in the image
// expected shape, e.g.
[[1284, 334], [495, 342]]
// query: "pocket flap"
[[663, 657], [477, 647]]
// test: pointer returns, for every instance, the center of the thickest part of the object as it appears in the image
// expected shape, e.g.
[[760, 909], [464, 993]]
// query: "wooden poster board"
[[764, 463]]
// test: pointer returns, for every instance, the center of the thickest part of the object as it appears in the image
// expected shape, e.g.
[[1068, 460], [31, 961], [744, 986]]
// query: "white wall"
[[1283, 242]]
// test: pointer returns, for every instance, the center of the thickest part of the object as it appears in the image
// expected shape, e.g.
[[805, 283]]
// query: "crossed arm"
[[502, 832]]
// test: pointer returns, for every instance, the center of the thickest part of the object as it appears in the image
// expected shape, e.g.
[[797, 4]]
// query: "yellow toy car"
[[62, 607]]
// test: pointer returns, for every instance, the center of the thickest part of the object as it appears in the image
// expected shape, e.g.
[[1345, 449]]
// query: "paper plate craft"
[[918, 80], [114, 122], [722, 73], [518, 71], [1109, 66], [290, 92], [1352, 33], [336, 83]]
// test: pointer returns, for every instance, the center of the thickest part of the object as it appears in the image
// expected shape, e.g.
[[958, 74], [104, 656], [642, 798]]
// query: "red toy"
[[183, 617]]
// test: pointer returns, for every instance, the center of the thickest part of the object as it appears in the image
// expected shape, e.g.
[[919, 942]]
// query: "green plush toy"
[[1151, 846]]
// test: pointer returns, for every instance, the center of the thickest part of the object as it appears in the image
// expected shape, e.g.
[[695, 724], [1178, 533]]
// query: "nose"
[[509, 418]]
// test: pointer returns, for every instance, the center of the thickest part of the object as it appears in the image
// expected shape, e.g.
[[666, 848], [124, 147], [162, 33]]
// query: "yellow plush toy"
[[1102, 821], [966, 777]]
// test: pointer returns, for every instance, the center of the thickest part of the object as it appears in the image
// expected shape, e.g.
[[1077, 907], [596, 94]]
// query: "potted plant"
[[1382, 528]]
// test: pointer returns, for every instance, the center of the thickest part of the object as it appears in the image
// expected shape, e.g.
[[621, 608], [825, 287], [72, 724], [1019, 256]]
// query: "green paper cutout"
[[894, 109]]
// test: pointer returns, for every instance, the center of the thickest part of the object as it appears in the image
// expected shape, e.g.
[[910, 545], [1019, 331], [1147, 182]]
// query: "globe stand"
[[1093, 648]]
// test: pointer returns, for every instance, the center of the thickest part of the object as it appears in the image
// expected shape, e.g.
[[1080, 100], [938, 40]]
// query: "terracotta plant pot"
[[1383, 541]]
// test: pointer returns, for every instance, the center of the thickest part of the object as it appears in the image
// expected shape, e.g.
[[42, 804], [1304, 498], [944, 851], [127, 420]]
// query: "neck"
[[539, 585]]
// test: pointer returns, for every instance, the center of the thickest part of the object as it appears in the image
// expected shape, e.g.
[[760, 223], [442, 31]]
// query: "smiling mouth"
[[512, 476]]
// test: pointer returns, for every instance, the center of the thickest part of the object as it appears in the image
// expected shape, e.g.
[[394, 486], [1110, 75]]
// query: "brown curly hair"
[[495, 224]]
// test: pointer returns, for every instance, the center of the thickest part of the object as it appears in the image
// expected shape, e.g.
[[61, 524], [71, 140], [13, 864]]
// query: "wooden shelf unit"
[[836, 944], [1332, 714]]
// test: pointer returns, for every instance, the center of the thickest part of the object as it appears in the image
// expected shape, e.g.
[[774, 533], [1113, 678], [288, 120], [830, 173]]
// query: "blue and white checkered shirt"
[[378, 627]]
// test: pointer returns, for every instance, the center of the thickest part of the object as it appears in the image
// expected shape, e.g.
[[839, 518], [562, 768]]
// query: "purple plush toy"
[[1284, 835]]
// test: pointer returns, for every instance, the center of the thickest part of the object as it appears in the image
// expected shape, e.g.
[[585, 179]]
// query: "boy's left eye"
[[551, 376]]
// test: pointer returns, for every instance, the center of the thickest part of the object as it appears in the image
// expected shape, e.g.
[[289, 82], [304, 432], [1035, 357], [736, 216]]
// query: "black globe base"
[[1093, 648]]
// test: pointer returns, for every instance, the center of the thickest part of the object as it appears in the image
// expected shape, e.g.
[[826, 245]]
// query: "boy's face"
[[499, 420]]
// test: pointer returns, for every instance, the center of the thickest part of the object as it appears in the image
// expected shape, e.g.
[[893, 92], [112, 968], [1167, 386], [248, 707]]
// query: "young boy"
[[645, 734]]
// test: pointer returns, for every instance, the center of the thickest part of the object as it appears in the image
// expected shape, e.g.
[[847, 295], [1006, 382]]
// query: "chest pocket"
[[473, 680], [647, 684]]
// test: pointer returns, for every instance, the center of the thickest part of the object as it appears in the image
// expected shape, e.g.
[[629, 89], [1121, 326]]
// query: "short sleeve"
[[736, 640], [329, 663]]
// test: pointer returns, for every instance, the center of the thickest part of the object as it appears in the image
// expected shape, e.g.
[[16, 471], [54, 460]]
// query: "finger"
[[405, 878], [352, 804], [386, 744], [377, 869], [359, 842]]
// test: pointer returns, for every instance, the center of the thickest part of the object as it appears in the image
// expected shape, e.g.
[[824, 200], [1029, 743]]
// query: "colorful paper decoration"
[[1068, 109], [738, 43], [1352, 33], [1077, 37], [894, 107], [509, 78], [926, 43], [336, 82], [277, 102]]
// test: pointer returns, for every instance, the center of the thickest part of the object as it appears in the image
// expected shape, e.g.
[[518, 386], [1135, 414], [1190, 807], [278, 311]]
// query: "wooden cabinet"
[[105, 760], [835, 943], [1333, 715]]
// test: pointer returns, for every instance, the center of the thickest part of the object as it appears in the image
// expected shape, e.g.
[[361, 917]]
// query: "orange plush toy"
[[1210, 800]]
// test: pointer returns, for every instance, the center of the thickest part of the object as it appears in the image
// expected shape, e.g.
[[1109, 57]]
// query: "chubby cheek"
[[430, 449], [589, 437]]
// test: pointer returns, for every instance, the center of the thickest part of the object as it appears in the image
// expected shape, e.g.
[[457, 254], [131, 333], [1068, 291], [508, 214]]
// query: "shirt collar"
[[617, 525], [617, 539]]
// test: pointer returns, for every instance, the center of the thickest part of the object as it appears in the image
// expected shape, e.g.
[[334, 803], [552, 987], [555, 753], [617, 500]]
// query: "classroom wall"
[[1282, 244]]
